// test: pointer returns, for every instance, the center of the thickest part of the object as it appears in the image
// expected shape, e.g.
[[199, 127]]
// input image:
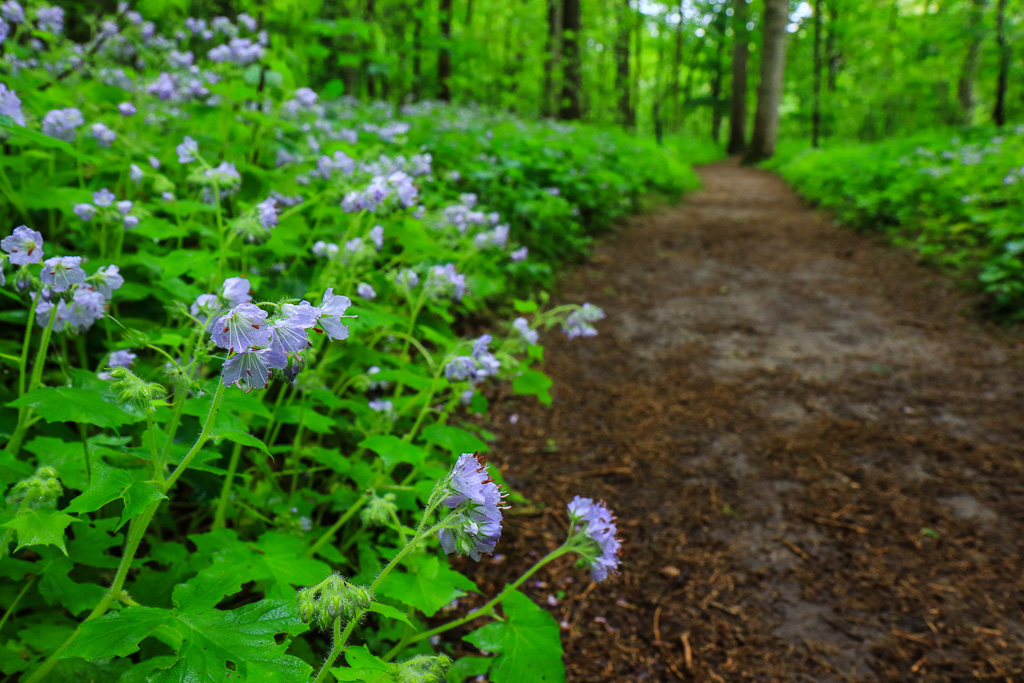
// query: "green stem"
[[25, 413], [329, 534], [200, 442], [339, 644], [14, 605], [225, 492]]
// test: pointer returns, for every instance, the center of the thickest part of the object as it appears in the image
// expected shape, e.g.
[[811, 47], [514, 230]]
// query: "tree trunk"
[[369, 16], [769, 90], [835, 57], [716, 79], [816, 111], [572, 81], [999, 113], [677, 64], [740, 52], [622, 82], [639, 51], [417, 51], [972, 60], [444, 53], [469, 13], [554, 55]]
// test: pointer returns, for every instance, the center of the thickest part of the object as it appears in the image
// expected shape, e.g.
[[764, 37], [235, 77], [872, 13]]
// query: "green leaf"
[[240, 437], [40, 527], [528, 641], [533, 383], [67, 457], [428, 586], [116, 634], [110, 483], [454, 439], [393, 450], [72, 404], [207, 588], [285, 560], [466, 667], [390, 612], [366, 668], [522, 306]]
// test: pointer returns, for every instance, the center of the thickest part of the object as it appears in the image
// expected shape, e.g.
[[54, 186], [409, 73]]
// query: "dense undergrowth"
[[955, 197], [195, 428]]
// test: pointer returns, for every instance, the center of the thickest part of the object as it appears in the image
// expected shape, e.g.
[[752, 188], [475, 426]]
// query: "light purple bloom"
[[107, 280], [241, 329], [50, 19], [236, 290], [167, 196], [248, 22], [598, 523], [289, 333], [377, 236], [477, 501], [251, 369], [330, 312], [103, 197], [480, 345], [444, 280], [165, 87], [154, 162], [126, 109], [322, 248], [520, 254], [125, 206], [366, 291], [580, 322], [130, 222], [523, 328], [306, 97], [381, 406], [407, 278], [61, 123], [62, 272], [12, 12], [121, 359], [104, 136], [266, 212], [135, 173], [353, 245], [187, 150], [87, 306], [460, 368], [85, 211], [10, 105], [205, 307], [24, 245]]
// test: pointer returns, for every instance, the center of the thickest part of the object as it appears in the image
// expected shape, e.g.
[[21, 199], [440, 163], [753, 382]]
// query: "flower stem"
[[25, 412], [225, 492]]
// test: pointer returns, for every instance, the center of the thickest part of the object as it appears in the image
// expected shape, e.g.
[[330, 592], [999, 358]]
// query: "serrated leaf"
[[116, 634], [110, 483], [466, 667], [393, 450], [40, 527], [454, 439], [528, 641], [428, 586], [390, 612], [285, 560], [73, 404], [207, 588], [366, 667]]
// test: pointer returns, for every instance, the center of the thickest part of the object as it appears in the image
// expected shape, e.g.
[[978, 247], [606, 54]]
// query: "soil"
[[812, 444]]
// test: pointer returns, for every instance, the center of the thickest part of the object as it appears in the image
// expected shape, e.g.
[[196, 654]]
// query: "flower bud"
[[23, 281], [422, 669], [131, 388], [332, 599], [379, 510], [41, 490]]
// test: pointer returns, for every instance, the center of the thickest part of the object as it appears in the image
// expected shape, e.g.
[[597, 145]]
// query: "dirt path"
[[815, 452]]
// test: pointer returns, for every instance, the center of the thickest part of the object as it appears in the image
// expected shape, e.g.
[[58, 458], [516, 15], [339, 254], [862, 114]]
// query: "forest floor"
[[814, 448]]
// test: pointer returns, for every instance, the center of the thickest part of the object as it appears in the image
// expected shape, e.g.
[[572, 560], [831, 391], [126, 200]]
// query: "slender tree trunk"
[[740, 52], [769, 90], [622, 82], [554, 55], [659, 92], [677, 65], [639, 51], [972, 60], [816, 111], [572, 81], [444, 53], [417, 51], [716, 79], [835, 57], [999, 113], [369, 16], [469, 13]]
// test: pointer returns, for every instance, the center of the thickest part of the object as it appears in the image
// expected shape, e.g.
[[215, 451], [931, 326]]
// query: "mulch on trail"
[[814, 449]]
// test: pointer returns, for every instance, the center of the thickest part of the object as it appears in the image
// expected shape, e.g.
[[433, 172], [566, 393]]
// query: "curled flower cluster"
[[580, 322], [62, 123], [477, 366], [444, 281], [596, 523], [477, 502]]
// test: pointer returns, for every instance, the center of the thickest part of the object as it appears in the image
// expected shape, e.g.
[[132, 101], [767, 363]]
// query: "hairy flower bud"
[[331, 599], [41, 490], [131, 388], [422, 669], [379, 510]]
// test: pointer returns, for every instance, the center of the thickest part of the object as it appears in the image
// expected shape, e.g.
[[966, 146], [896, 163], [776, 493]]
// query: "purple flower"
[[130, 222], [61, 123], [353, 245], [10, 105], [366, 291], [135, 173], [523, 328], [165, 87], [289, 333], [236, 290], [104, 136], [121, 359], [460, 368], [520, 254], [407, 278], [187, 150], [480, 345], [580, 322], [330, 312], [24, 245], [381, 406], [125, 206], [167, 196], [51, 19], [241, 329], [154, 162], [103, 197], [327, 249], [250, 24], [205, 307], [597, 522], [62, 272], [87, 306], [377, 236], [107, 280], [477, 503], [266, 212], [126, 109], [251, 369], [306, 97], [12, 12], [443, 280]]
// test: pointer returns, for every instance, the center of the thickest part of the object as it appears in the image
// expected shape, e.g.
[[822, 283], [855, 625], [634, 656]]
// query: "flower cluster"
[[476, 501], [67, 296], [444, 281], [105, 203], [62, 123], [595, 524], [580, 322]]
